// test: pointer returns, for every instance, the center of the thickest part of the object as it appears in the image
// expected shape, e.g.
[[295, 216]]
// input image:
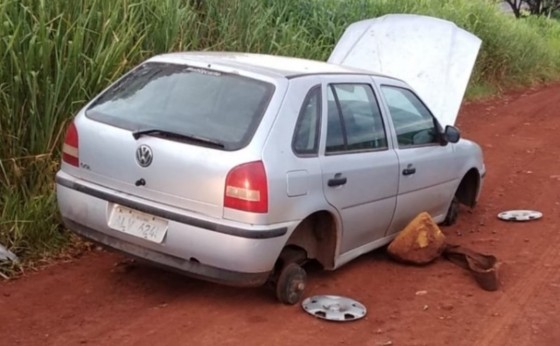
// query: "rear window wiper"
[[181, 136]]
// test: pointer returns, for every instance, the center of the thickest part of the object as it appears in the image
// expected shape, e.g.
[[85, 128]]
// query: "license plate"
[[138, 224]]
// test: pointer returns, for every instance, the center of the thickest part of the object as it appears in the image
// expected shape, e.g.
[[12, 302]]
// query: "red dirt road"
[[89, 300]]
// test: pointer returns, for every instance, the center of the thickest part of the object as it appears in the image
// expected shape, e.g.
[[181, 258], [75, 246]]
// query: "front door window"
[[413, 122]]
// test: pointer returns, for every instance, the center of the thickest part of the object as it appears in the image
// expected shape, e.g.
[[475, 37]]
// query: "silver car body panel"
[[184, 175], [256, 65], [185, 183], [429, 187], [229, 245], [432, 55], [372, 183]]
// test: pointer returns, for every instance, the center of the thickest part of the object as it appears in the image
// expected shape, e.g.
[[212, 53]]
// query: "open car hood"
[[434, 56]]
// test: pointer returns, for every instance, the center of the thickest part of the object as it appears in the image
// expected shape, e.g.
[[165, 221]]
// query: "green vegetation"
[[523, 8], [58, 54]]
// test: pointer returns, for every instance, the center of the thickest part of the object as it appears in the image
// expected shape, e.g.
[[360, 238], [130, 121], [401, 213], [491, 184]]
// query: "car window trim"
[[340, 117], [434, 119], [376, 99], [125, 124], [355, 151], [315, 151]]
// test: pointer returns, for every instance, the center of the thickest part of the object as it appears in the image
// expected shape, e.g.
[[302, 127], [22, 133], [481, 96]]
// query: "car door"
[[428, 170], [359, 166]]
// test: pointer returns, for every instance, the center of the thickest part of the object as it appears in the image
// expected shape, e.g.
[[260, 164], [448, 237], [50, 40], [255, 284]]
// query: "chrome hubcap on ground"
[[334, 308], [520, 215]]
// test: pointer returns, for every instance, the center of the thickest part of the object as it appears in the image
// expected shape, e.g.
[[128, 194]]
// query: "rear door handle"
[[338, 180], [409, 170]]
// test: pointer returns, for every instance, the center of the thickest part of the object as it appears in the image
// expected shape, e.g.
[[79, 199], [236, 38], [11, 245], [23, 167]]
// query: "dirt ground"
[[92, 300]]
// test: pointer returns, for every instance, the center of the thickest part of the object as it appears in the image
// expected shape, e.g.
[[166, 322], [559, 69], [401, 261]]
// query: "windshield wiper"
[[190, 138]]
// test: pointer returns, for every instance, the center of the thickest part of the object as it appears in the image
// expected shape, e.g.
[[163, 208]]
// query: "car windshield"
[[191, 101]]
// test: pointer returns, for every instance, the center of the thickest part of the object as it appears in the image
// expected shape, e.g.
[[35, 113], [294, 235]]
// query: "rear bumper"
[[184, 266], [169, 214], [212, 249]]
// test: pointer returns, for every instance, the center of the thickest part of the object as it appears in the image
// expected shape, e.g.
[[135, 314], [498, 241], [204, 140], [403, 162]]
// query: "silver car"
[[239, 168]]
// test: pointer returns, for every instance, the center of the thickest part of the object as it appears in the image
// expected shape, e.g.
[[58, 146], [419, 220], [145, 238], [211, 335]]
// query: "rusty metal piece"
[[484, 268]]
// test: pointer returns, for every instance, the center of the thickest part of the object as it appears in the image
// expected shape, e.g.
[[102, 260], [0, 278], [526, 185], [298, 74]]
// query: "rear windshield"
[[187, 100]]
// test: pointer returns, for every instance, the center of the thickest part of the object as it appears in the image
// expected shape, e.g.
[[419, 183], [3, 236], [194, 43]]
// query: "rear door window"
[[354, 119], [306, 135], [195, 102]]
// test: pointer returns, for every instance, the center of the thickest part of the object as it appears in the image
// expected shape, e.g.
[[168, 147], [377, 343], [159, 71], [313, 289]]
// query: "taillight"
[[70, 147], [246, 188]]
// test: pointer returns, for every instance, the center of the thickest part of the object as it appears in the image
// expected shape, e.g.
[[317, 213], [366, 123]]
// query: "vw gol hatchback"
[[239, 168]]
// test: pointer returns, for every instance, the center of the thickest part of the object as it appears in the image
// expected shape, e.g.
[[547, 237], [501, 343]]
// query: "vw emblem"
[[144, 155]]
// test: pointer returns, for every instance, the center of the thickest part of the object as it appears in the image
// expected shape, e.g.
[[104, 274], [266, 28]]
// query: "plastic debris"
[[7, 255]]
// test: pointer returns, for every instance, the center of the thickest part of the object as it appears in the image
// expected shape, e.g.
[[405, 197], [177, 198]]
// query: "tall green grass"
[[55, 55]]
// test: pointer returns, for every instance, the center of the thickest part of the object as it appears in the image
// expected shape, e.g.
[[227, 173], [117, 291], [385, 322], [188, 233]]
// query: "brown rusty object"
[[421, 242], [484, 268]]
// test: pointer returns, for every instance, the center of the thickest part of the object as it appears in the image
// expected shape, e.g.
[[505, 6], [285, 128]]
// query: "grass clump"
[[57, 54]]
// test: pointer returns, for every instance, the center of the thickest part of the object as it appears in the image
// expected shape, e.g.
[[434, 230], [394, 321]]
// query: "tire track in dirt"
[[497, 329], [530, 114]]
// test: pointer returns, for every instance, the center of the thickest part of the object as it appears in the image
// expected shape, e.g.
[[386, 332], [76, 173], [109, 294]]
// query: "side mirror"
[[451, 134]]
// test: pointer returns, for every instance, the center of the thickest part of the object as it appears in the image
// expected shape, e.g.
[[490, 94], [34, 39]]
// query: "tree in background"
[[516, 6], [534, 7]]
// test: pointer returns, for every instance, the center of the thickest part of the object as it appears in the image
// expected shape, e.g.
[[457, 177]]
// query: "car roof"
[[273, 65]]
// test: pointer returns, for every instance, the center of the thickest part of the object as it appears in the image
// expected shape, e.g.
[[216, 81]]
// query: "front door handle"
[[338, 180], [409, 170]]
